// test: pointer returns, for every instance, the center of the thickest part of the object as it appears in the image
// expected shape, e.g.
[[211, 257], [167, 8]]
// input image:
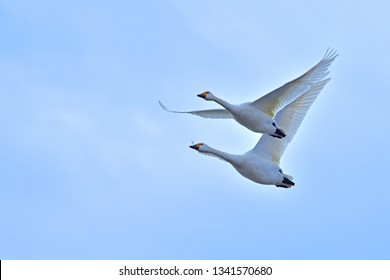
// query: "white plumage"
[[261, 164], [258, 115]]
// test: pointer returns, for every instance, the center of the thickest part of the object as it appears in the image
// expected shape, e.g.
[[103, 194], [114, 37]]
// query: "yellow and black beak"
[[195, 147], [202, 95]]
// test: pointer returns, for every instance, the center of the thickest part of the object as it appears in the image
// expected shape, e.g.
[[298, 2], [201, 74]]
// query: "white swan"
[[258, 115], [261, 164]]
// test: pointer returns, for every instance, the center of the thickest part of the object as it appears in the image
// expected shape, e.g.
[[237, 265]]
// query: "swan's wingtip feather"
[[163, 106], [330, 54]]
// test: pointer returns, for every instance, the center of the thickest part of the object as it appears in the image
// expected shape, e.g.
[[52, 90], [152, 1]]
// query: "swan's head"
[[207, 150], [207, 95], [200, 147]]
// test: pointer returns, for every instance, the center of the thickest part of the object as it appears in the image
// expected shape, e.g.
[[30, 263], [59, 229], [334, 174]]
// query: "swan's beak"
[[202, 95], [195, 147]]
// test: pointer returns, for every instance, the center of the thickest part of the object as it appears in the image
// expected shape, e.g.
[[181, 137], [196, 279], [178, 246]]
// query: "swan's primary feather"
[[212, 114], [280, 97], [290, 118]]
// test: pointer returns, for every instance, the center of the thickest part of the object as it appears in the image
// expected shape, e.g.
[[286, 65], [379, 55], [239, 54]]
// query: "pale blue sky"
[[92, 168]]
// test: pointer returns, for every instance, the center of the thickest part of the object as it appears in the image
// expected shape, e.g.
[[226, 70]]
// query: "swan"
[[258, 115], [261, 164]]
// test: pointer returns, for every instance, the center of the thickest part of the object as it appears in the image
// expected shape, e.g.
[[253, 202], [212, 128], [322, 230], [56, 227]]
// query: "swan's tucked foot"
[[276, 136], [283, 186], [279, 133], [287, 183]]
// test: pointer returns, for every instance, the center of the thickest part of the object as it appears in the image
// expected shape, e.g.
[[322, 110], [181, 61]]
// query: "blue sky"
[[92, 168]]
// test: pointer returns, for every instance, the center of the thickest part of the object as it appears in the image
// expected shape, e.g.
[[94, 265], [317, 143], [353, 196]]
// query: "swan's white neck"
[[222, 102], [219, 154]]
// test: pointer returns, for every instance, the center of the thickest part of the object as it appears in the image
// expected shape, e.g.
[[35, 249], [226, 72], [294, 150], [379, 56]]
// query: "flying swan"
[[261, 164], [258, 115]]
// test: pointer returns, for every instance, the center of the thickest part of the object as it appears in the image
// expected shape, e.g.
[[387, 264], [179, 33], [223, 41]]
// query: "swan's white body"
[[250, 165], [261, 164], [258, 115], [249, 116]]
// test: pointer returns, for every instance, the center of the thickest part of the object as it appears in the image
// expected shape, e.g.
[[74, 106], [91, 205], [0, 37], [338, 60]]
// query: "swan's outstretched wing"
[[284, 95], [213, 114], [289, 118]]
